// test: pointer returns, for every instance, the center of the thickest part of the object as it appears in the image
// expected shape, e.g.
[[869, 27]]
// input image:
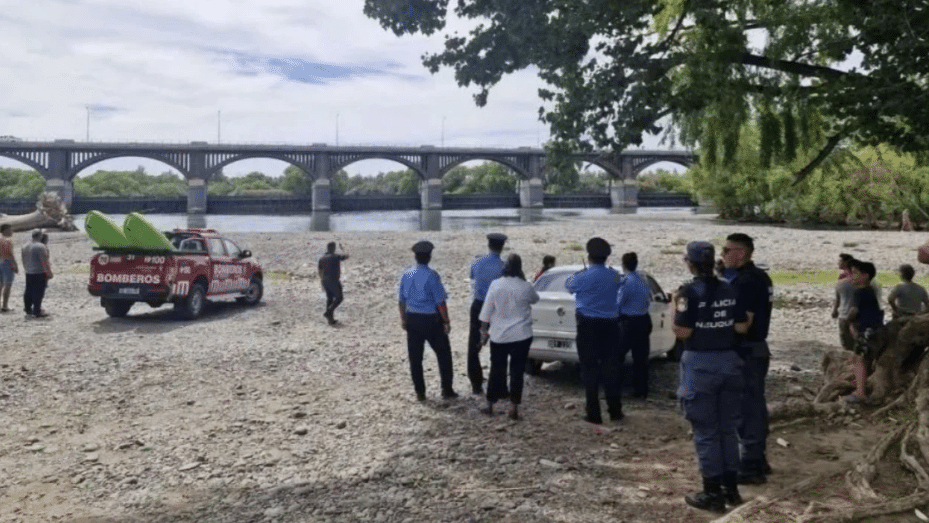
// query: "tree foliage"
[[698, 69], [20, 183]]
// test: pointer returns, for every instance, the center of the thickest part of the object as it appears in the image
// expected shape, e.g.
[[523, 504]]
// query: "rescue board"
[[143, 235], [104, 231]]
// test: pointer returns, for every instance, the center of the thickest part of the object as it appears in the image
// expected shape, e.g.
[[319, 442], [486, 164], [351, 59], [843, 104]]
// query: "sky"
[[269, 71]]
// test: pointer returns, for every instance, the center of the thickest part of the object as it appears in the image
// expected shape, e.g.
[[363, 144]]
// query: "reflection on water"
[[431, 220]]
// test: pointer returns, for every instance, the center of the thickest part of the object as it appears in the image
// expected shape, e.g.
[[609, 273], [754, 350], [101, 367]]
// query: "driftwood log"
[[50, 212]]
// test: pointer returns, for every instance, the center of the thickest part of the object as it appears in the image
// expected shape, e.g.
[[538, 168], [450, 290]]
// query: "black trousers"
[[421, 328], [634, 336], [600, 355], [333, 295], [500, 353], [475, 373], [35, 292]]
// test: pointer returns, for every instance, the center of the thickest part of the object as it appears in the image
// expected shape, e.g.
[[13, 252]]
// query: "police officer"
[[635, 323], [756, 292], [484, 270], [595, 289], [708, 319], [424, 317]]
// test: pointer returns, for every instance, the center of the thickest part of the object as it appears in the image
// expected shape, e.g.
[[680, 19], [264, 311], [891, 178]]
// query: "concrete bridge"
[[60, 161]]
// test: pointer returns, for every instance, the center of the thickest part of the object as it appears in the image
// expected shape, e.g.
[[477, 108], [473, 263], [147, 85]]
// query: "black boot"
[[752, 473], [711, 498], [731, 489]]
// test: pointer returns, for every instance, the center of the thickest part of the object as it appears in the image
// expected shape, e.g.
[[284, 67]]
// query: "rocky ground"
[[268, 414]]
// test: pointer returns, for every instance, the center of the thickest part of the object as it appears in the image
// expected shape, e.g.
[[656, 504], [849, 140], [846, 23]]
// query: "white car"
[[553, 324]]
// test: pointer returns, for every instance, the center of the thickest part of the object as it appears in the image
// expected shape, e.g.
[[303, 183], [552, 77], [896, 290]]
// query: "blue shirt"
[[484, 270], [595, 290], [421, 290], [634, 295]]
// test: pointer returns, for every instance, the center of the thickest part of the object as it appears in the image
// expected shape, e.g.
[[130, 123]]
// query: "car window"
[[216, 247], [654, 287], [232, 249], [553, 282]]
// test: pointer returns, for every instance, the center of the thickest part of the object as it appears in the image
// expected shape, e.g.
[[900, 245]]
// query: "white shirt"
[[507, 309]]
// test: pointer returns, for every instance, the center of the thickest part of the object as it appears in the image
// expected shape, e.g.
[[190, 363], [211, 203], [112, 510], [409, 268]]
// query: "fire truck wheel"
[[117, 308], [191, 306], [253, 293]]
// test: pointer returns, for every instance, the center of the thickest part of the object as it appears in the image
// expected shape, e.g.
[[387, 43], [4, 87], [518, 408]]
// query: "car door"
[[554, 328], [236, 276], [221, 263], [662, 338]]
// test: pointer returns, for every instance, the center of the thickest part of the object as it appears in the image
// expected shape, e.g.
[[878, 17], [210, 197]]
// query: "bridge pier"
[[624, 194], [531, 193], [196, 196], [322, 195], [431, 194], [63, 188]]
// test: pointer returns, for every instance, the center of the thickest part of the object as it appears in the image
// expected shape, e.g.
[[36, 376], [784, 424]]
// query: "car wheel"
[[253, 294], [674, 354], [117, 308], [533, 367], [191, 305]]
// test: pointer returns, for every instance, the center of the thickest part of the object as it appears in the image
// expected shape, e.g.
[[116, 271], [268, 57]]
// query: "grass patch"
[[79, 269], [276, 275], [680, 241], [849, 244], [574, 247], [672, 251]]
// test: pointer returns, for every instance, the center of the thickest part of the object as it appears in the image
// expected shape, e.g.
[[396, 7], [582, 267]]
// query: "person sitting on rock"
[[908, 298]]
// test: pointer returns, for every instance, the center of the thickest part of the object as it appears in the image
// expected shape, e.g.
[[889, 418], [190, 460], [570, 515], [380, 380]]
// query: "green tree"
[[296, 181], [616, 70], [20, 183]]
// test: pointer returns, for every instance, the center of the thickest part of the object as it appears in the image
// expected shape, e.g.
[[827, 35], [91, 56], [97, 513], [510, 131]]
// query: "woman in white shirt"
[[506, 320]]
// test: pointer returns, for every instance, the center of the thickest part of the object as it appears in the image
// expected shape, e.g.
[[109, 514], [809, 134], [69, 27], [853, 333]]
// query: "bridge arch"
[[520, 170], [641, 165], [339, 162], [34, 159], [215, 165], [83, 161]]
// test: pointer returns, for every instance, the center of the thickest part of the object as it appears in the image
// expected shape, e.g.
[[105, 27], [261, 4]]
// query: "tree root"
[[869, 511], [859, 479], [910, 461]]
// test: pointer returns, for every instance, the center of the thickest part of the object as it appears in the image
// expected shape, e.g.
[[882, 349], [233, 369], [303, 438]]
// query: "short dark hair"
[[5, 227], [847, 258], [548, 259], [907, 272], [630, 261], [597, 259], [423, 257], [743, 239], [330, 247], [513, 267], [864, 268], [495, 245]]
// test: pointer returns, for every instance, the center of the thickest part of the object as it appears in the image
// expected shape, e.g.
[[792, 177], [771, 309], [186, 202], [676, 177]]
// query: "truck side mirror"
[[245, 254]]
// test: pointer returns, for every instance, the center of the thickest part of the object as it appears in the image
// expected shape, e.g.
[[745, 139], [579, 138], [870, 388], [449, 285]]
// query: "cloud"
[[258, 72]]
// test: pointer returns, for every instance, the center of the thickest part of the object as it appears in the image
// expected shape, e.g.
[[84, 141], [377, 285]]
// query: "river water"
[[449, 220]]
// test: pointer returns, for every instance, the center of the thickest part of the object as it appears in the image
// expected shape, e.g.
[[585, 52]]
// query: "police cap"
[[598, 247], [496, 237], [700, 252], [423, 247]]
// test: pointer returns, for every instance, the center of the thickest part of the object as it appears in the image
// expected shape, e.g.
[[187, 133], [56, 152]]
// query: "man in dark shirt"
[[330, 270], [755, 292]]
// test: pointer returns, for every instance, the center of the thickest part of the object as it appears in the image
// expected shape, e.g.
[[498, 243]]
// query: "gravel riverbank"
[[268, 414]]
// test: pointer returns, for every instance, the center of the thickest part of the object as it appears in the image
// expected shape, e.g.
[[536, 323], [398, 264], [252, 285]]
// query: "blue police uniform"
[[756, 292], [484, 270], [598, 347], [711, 381], [635, 327], [420, 291]]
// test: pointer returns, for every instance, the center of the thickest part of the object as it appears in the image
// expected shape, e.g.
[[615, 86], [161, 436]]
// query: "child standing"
[[866, 322]]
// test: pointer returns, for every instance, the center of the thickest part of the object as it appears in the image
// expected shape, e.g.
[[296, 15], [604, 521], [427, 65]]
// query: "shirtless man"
[[8, 266]]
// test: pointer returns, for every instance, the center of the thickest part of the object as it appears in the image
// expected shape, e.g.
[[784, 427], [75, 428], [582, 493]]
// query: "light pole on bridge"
[[443, 131], [87, 135]]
